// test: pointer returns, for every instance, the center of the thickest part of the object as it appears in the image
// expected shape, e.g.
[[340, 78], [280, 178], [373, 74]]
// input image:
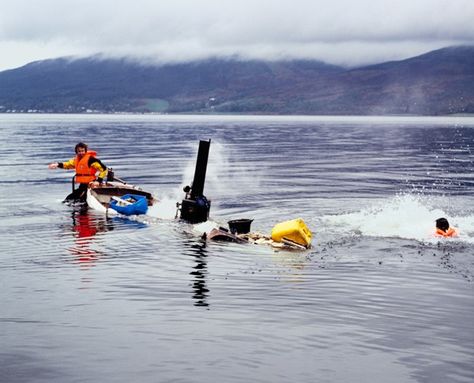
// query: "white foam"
[[165, 208]]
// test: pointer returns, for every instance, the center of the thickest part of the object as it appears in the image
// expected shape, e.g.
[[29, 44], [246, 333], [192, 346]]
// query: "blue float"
[[129, 204]]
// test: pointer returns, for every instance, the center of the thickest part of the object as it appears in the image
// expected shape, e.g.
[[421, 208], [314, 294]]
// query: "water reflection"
[[292, 265], [385, 310], [85, 226], [200, 291]]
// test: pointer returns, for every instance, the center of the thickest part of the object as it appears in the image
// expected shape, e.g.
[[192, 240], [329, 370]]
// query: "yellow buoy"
[[294, 231]]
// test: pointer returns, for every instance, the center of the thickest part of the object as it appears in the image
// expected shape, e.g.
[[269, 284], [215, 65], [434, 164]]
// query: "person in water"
[[87, 166], [443, 229]]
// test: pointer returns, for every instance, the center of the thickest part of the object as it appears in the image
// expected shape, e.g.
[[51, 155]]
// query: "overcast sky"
[[347, 32]]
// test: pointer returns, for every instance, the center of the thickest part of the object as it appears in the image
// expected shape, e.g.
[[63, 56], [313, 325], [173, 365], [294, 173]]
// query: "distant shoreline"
[[234, 114], [465, 119], [437, 83]]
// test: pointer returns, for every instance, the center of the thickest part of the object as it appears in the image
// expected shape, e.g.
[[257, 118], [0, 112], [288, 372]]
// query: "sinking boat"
[[223, 234], [113, 196], [291, 235], [103, 198]]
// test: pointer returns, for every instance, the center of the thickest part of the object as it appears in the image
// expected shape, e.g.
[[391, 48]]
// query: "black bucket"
[[240, 226]]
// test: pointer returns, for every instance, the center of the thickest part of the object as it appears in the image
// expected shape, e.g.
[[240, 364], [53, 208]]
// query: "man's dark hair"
[[80, 145], [442, 224]]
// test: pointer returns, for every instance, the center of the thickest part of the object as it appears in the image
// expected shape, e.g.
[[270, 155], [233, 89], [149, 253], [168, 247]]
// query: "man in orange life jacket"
[[443, 229], [87, 166]]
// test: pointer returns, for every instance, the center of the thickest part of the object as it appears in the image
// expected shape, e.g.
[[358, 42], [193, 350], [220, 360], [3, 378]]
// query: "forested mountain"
[[439, 82]]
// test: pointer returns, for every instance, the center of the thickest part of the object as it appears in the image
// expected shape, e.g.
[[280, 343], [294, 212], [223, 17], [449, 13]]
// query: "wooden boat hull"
[[99, 198]]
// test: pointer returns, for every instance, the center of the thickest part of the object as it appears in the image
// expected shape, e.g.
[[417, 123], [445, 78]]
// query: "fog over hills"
[[437, 83]]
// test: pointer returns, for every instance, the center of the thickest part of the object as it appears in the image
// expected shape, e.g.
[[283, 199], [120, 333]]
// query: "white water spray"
[[405, 216], [223, 180]]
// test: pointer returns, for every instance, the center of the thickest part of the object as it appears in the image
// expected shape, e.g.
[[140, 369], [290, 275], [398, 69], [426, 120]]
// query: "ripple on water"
[[373, 300]]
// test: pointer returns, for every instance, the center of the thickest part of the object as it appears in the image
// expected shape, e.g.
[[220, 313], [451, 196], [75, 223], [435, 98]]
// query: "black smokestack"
[[197, 189], [195, 206]]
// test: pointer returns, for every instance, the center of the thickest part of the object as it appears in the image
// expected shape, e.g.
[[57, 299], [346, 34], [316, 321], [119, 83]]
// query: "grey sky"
[[347, 32]]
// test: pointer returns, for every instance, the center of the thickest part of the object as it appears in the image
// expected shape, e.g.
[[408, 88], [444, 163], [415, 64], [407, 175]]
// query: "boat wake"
[[405, 216]]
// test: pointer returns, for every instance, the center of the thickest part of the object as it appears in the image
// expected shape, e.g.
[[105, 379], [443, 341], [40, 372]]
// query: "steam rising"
[[224, 181]]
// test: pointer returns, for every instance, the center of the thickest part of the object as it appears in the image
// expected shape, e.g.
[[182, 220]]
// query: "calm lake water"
[[86, 298]]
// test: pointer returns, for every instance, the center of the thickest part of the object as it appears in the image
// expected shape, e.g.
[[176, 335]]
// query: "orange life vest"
[[451, 232], [85, 173]]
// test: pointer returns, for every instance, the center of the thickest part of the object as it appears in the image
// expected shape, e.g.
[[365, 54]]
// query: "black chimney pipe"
[[197, 187], [195, 206]]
